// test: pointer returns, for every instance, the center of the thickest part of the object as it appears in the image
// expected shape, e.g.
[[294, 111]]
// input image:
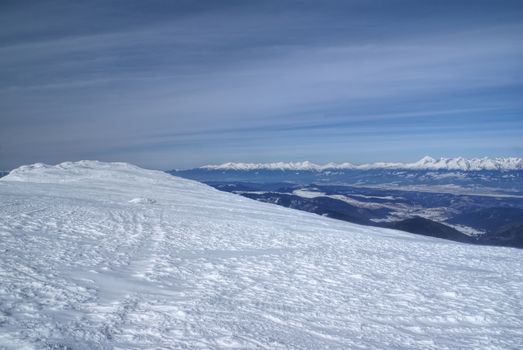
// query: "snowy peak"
[[82, 171], [425, 163], [306, 165], [460, 163], [425, 160]]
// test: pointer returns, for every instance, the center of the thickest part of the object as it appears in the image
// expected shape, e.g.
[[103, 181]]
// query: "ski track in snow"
[[81, 267]]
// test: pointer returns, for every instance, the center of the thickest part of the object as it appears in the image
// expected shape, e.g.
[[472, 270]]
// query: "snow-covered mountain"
[[426, 163], [107, 255]]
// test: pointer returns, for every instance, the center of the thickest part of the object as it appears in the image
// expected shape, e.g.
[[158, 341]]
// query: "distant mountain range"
[[426, 163]]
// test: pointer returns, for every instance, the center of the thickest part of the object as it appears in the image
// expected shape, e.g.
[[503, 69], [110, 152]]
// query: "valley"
[[478, 206]]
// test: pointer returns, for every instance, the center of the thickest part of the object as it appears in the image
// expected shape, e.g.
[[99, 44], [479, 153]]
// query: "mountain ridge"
[[425, 163]]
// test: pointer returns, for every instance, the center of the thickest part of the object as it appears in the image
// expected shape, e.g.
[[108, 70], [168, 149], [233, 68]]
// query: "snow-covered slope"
[[96, 255], [426, 163]]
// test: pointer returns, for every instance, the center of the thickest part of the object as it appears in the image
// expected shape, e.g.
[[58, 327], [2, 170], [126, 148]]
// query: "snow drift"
[[83, 267]]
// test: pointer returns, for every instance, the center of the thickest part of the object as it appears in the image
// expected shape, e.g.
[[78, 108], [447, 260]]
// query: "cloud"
[[141, 83]]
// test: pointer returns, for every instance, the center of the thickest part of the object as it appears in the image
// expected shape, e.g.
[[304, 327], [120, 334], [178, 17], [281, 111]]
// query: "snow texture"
[[83, 268], [139, 200], [426, 163]]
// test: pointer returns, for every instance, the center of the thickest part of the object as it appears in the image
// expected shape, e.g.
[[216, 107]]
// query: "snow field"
[[185, 266]]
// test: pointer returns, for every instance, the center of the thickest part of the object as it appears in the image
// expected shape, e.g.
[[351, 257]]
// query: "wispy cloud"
[[170, 85]]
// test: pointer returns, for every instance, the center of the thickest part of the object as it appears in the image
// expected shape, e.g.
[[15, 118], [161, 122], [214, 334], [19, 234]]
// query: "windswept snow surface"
[[85, 266]]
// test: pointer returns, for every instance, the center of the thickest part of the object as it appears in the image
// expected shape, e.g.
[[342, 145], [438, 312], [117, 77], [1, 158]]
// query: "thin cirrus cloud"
[[178, 85]]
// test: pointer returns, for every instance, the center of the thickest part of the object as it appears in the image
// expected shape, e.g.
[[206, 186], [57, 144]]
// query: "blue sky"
[[176, 84]]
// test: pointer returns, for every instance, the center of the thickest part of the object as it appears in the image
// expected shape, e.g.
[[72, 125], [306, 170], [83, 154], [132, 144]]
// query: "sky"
[[179, 84]]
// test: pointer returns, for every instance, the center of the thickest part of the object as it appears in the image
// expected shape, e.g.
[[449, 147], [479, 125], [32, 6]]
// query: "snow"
[[400, 211], [426, 163], [83, 268], [370, 205], [306, 165], [139, 200], [308, 194]]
